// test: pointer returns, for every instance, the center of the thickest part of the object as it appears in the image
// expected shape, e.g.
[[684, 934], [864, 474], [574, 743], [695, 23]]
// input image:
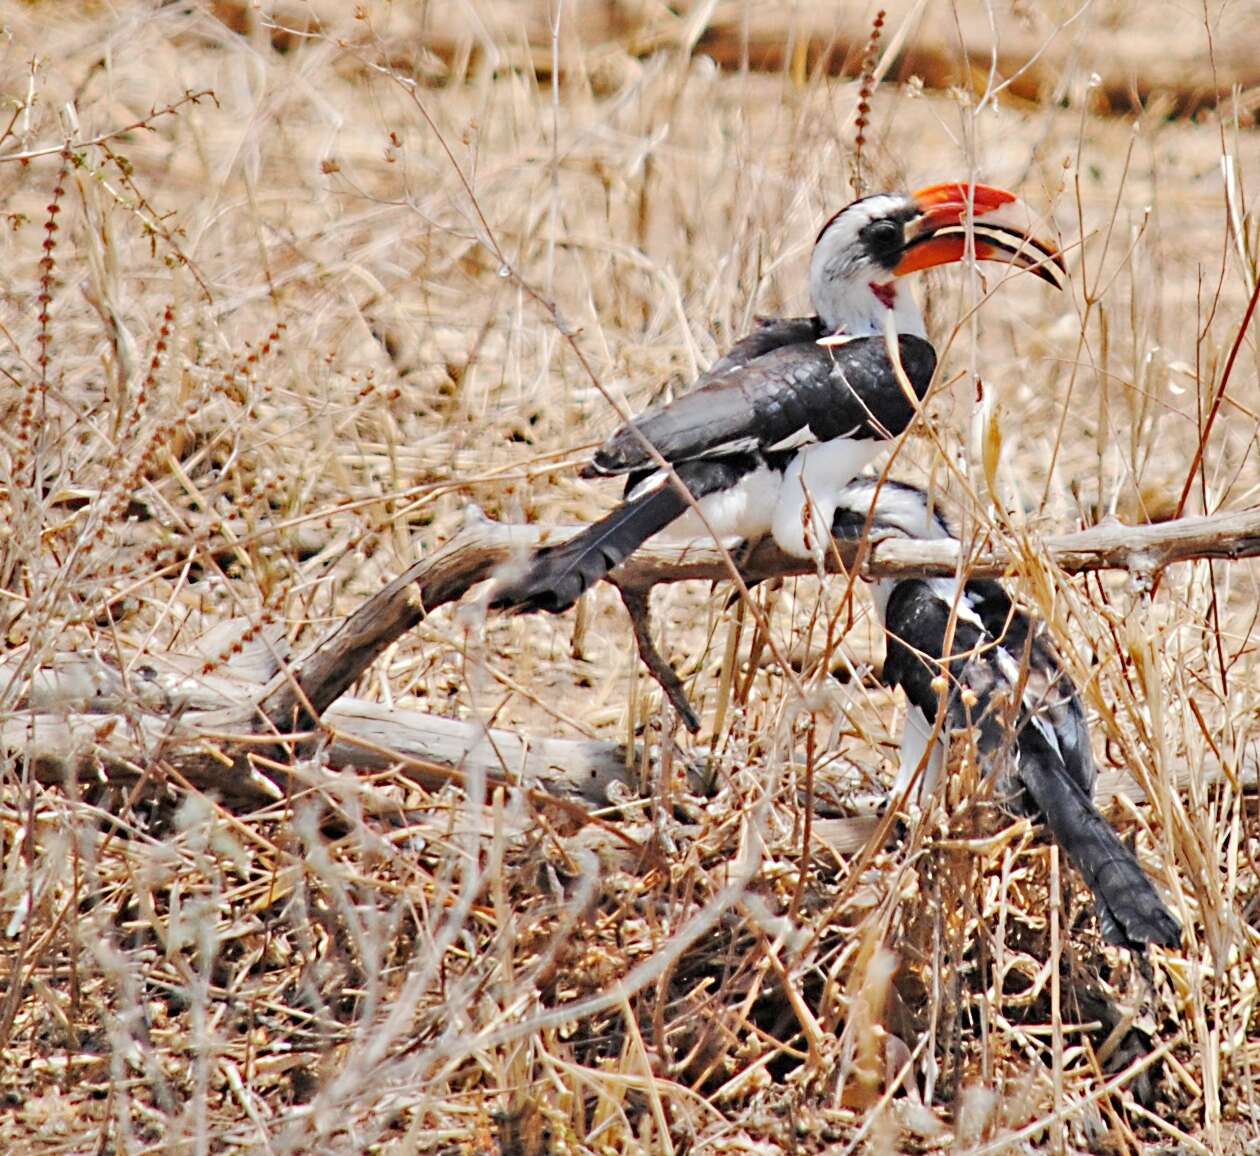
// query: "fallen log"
[[81, 722], [1033, 56]]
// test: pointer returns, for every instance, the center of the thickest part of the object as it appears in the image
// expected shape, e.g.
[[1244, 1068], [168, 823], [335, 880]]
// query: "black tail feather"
[[1129, 908], [557, 576]]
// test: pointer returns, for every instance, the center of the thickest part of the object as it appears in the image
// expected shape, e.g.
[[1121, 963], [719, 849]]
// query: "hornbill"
[[967, 649], [776, 428]]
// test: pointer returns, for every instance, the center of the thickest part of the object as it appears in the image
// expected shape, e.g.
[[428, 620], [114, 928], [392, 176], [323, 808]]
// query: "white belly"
[[915, 739], [810, 490], [744, 511]]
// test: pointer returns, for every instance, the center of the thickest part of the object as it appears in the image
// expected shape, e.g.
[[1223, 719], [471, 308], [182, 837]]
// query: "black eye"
[[883, 237]]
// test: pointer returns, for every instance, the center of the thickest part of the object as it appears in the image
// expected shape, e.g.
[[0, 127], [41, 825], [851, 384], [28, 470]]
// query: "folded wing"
[[779, 400], [1020, 742]]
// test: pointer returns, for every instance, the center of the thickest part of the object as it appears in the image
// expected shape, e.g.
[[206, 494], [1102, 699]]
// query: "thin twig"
[[638, 607]]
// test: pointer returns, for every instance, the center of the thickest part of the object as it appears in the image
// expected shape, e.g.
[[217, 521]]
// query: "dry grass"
[[295, 325]]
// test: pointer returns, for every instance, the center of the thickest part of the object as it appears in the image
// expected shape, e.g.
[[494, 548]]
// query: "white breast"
[[743, 511], [811, 488], [915, 737]]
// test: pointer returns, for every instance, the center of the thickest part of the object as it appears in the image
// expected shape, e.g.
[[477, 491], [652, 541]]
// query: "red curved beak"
[[1003, 230]]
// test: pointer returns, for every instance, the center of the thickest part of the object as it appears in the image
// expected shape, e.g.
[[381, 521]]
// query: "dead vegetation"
[[286, 288]]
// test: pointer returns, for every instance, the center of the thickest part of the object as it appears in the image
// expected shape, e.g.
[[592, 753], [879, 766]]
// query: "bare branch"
[[222, 748], [484, 545], [212, 750], [639, 608]]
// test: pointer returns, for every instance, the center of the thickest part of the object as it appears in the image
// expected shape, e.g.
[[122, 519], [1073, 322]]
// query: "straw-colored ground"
[[304, 309]]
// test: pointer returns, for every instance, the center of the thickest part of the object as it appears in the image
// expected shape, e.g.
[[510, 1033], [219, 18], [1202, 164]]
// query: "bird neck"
[[860, 307]]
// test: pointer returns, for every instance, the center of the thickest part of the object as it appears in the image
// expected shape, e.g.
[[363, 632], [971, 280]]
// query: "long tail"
[[1129, 908], [557, 576]]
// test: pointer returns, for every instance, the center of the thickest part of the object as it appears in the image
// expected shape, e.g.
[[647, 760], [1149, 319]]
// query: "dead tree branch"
[[80, 719], [483, 546], [235, 731]]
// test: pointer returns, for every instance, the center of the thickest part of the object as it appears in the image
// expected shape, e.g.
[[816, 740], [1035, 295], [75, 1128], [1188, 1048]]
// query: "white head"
[[863, 251]]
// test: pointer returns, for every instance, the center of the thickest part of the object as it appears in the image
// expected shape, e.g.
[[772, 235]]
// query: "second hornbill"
[[776, 428], [967, 649]]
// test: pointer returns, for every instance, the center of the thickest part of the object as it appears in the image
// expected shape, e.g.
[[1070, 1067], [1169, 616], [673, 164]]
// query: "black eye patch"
[[883, 237]]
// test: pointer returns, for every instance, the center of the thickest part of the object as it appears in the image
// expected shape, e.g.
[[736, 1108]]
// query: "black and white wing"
[[557, 576], [1048, 691], [1017, 743], [790, 396], [770, 333], [774, 392], [889, 507]]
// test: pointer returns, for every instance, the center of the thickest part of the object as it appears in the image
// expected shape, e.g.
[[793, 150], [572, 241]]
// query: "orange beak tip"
[[1010, 226], [984, 198]]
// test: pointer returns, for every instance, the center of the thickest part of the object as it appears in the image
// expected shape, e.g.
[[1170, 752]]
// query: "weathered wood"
[[371, 736], [83, 720], [442, 577], [639, 608], [1032, 52], [484, 545], [211, 750]]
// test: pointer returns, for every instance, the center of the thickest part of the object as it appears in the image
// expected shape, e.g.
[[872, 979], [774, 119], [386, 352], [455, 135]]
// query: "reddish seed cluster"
[[208, 537], [155, 362], [36, 391], [258, 491], [865, 89], [147, 438], [257, 625], [46, 265]]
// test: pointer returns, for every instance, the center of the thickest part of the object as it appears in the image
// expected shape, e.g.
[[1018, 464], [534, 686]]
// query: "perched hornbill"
[[778, 426], [967, 649]]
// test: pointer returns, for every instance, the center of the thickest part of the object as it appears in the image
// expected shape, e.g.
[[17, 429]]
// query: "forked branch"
[[78, 720], [483, 545]]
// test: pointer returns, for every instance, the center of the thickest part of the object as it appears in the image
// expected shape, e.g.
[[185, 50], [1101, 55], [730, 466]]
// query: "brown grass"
[[295, 323]]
